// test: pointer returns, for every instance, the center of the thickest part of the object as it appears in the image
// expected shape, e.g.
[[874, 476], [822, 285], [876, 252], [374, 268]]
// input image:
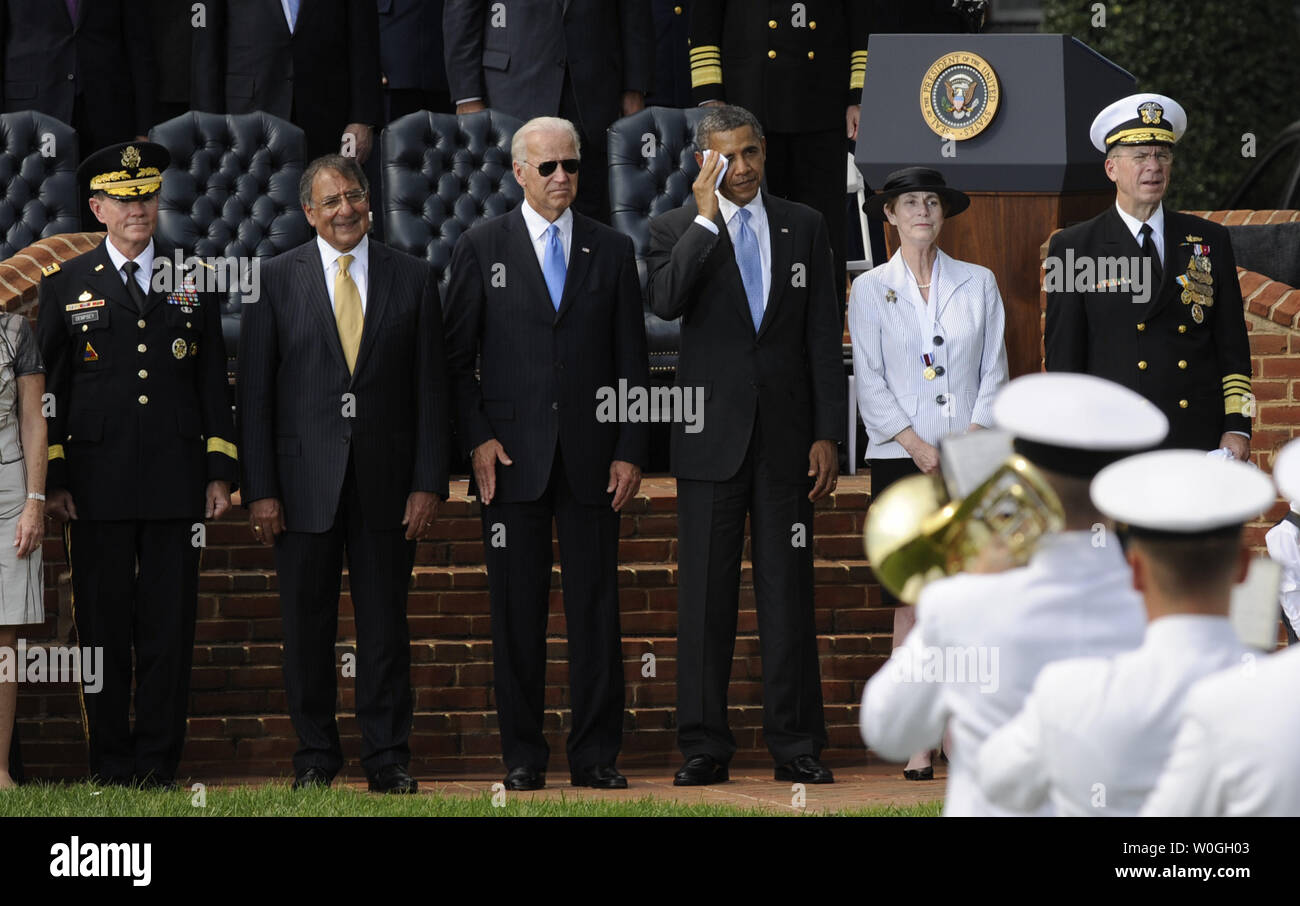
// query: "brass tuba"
[[916, 531]]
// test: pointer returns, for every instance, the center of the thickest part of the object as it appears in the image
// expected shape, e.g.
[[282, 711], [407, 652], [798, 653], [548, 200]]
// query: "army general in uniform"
[[140, 453], [1169, 324]]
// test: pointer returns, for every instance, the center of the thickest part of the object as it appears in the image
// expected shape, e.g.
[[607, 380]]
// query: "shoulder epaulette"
[[50, 269]]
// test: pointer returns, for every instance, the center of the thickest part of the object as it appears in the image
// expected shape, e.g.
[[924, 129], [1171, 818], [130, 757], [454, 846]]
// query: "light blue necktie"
[[751, 266], [293, 14], [553, 267]]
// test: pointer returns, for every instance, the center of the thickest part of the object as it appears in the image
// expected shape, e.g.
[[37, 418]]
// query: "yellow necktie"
[[347, 312]]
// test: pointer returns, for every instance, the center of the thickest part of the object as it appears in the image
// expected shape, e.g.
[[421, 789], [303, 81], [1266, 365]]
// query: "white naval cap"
[[1286, 472], [1181, 493], [1077, 423], [1139, 119]]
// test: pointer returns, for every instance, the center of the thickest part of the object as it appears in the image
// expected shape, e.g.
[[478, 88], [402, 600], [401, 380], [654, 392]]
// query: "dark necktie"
[[72, 11], [1149, 251], [132, 288]]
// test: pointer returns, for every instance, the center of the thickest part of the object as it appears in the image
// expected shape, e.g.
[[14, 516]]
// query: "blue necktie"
[[751, 266], [553, 267], [293, 14]]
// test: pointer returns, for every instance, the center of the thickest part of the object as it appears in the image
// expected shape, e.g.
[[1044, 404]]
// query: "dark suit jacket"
[[108, 55], [606, 47], [1197, 373], [171, 25], [410, 44], [672, 83], [791, 373], [321, 77], [140, 416], [541, 369], [301, 414], [794, 78]]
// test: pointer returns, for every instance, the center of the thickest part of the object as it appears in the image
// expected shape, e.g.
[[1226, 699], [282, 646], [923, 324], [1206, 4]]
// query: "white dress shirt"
[[1235, 752], [1095, 733], [144, 259], [757, 222], [537, 227], [1283, 548], [1157, 221], [888, 341], [357, 270], [1072, 599], [288, 14]]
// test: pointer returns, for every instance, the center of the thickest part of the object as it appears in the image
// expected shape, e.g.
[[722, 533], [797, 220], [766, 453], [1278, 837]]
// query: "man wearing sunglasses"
[[1169, 322], [548, 301], [343, 411]]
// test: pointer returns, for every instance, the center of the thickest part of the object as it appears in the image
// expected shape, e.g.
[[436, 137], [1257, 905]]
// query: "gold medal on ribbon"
[[930, 373]]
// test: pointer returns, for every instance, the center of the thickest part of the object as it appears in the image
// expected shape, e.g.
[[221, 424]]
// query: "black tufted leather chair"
[[38, 179], [231, 190], [651, 168], [442, 174]]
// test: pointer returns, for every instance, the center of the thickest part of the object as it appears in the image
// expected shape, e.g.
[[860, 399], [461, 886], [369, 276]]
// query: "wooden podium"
[[1029, 168]]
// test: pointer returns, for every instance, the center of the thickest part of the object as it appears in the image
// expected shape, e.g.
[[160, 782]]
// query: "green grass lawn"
[[74, 800]]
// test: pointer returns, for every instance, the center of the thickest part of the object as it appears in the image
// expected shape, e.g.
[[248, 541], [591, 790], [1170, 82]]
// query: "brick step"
[[650, 518], [449, 603], [449, 742], [234, 679], [825, 545]]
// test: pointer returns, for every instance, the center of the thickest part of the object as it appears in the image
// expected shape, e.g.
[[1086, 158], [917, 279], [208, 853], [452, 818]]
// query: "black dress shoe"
[[312, 777], [524, 779], [701, 770], [804, 769], [925, 773], [601, 777], [393, 778]]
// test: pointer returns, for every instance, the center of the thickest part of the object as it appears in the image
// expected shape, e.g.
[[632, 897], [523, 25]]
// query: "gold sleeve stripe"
[[706, 75], [857, 69], [56, 451], [706, 65], [1244, 378], [217, 445], [1238, 387]]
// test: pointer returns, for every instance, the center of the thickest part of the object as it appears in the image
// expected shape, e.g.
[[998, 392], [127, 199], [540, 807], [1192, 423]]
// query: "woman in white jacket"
[[928, 352]]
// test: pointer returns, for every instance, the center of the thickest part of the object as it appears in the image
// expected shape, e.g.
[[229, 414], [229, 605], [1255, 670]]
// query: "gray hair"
[[347, 167], [724, 119], [519, 144]]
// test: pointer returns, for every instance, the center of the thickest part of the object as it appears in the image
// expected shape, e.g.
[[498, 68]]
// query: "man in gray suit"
[[343, 412], [588, 61]]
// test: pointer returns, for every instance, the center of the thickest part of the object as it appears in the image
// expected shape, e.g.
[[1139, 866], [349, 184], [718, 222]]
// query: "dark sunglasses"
[[546, 168]]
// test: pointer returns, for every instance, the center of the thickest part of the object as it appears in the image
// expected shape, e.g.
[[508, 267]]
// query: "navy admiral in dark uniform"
[[799, 69], [1149, 297], [140, 454]]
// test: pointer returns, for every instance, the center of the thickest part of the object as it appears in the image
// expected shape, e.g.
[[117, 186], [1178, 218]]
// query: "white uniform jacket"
[[1095, 733], [1235, 753], [978, 645]]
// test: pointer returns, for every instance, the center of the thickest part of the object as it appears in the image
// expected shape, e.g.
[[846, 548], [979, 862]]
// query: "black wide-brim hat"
[[915, 179], [130, 171]]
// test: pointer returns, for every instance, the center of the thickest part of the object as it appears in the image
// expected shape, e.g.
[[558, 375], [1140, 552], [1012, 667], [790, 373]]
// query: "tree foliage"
[[1228, 62]]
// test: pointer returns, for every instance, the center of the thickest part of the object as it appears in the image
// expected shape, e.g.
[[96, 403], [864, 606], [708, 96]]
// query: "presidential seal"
[[959, 95]]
